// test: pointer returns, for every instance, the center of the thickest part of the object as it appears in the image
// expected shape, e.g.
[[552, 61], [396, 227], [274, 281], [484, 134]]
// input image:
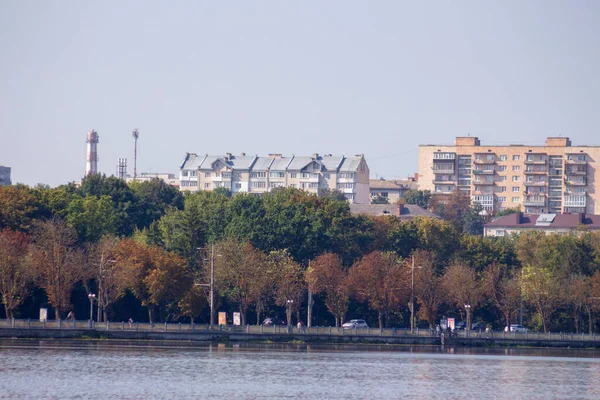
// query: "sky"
[[377, 78]]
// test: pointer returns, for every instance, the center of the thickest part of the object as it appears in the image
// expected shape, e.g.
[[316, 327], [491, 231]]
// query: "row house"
[[257, 175]]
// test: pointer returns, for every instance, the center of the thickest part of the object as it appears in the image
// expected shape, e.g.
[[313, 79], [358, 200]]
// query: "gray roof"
[[350, 165], [300, 162], [331, 163], [233, 161], [262, 163], [280, 164], [408, 211], [191, 161]]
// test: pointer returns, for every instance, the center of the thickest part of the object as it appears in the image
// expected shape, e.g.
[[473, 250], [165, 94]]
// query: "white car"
[[516, 328], [355, 323]]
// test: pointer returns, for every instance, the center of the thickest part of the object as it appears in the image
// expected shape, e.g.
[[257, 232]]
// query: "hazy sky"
[[291, 77]]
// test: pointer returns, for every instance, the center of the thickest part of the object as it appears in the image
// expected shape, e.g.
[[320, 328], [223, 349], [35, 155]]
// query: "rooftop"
[[546, 221], [407, 211]]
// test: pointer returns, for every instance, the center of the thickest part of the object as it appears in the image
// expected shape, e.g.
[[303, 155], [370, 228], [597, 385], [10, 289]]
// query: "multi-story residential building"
[[548, 223], [254, 174], [393, 190], [554, 178], [169, 178], [4, 176]]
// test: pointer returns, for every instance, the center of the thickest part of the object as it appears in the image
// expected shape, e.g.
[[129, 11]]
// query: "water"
[[147, 370]]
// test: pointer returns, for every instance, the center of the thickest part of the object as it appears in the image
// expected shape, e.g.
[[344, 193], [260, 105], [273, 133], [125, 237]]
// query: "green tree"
[[154, 198], [92, 217], [19, 208], [418, 197], [380, 200]]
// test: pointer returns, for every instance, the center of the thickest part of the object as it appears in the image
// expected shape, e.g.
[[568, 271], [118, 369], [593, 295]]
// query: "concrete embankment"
[[227, 336]]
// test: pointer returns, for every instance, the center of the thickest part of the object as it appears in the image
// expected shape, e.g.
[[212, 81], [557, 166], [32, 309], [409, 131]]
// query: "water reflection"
[[129, 369]]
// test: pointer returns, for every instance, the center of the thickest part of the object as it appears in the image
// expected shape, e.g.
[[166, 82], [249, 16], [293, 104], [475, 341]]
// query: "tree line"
[[144, 250]]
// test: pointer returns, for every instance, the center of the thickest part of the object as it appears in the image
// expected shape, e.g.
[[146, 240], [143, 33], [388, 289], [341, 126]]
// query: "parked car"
[[516, 328], [355, 323], [460, 326], [478, 326]]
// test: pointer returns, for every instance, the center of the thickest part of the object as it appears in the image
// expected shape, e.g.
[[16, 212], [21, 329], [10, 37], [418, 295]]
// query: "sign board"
[[222, 318], [237, 318], [451, 323], [43, 314]]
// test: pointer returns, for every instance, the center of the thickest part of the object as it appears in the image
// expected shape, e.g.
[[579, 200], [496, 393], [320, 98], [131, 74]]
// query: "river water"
[[160, 370]]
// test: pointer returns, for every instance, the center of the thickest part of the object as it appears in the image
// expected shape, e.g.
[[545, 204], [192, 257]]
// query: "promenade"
[[278, 333]]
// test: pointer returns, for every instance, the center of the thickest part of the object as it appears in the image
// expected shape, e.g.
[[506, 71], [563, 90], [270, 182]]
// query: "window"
[[347, 175], [207, 174], [293, 185], [258, 185], [217, 174], [304, 175], [258, 175], [516, 189], [500, 232], [502, 168], [293, 175], [192, 173], [503, 157], [503, 188], [503, 179], [490, 157], [516, 178], [345, 185], [501, 199], [207, 185], [275, 184], [326, 176], [238, 185], [516, 199], [276, 174], [516, 157], [226, 174], [184, 173], [516, 167]]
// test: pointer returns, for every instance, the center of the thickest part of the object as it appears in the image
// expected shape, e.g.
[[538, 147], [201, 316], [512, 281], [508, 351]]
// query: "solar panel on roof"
[[545, 219]]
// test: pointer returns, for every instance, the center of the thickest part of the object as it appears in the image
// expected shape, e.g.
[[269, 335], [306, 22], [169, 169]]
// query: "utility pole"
[[135, 135], [310, 305], [412, 296], [212, 284]]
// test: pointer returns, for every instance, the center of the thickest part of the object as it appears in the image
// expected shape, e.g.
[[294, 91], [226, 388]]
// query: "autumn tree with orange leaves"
[[326, 275], [14, 275], [380, 279]]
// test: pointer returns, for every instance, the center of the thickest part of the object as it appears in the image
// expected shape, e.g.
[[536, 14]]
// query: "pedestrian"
[[70, 316], [130, 322], [299, 325]]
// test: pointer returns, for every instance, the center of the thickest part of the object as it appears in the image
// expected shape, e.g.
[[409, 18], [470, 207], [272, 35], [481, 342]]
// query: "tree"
[[462, 288], [193, 302], [102, 269], [380, 200], [577, 293], [379, 279], [92, 217], [19, 208], [291, 286], [427, 285], [326, 275], [56, 262], [237, 271], [418, 197], [541, 289], [14, 275], [508, 211], [154, 198], [503, 288]]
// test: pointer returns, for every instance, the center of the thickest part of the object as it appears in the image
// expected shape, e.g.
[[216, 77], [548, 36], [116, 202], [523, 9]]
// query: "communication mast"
[[91, 166], [135, 135], [122, 168]]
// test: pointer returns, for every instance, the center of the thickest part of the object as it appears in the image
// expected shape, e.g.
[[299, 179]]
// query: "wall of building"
[[5, 176]]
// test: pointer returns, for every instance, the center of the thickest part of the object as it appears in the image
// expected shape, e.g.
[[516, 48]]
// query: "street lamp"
[[92, 297], [289, 311], [411, 305], [468, 309], [211, 285]]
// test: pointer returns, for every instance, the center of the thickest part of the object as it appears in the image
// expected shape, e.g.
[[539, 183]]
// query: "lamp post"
[[211, 285], [92, 297], [468, 309], [289, 312], [411, 305]]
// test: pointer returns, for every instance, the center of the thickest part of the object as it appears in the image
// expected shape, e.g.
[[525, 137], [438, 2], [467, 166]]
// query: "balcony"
[[573, 193], [439, 182], [443, 171], [576, 172], [535, 201], [575, 162], [535, 162], [535, 172], [575, 183], [483, 183], [535, 183], [483, 171], [484, 162]]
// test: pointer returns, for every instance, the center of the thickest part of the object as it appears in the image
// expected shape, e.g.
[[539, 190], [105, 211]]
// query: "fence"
[[285, 330]]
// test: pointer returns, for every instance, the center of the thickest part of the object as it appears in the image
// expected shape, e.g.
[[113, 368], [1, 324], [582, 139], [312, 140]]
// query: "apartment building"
[[393, 190], [554, 178], [4, 176], [254, 174], [169, 178]]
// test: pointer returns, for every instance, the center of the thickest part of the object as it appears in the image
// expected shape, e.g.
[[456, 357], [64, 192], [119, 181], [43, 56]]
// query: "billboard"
[[237, 318], [222, 318]]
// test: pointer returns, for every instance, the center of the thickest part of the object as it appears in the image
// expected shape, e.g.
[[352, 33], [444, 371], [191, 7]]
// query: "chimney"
[[581, 218], [315, 156], [399, 207], [243, 154], [519, 217]]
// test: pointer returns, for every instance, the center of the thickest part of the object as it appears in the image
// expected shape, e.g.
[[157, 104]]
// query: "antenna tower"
[[135, 135], [122, 168]]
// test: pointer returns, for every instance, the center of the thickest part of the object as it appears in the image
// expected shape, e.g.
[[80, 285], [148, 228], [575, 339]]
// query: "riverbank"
[[218, 335]]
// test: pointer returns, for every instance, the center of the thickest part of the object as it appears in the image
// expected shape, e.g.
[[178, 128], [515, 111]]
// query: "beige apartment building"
[[554, 178], [254, 174]]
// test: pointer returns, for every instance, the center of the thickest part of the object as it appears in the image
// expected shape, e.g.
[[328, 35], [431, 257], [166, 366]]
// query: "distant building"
[[549, 223], [169, 178], [393, 190], [404, 212], [254, 174], [553, 178], [5, 176]]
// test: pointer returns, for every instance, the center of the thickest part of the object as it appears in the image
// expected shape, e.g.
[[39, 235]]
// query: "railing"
[[285, 330]]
